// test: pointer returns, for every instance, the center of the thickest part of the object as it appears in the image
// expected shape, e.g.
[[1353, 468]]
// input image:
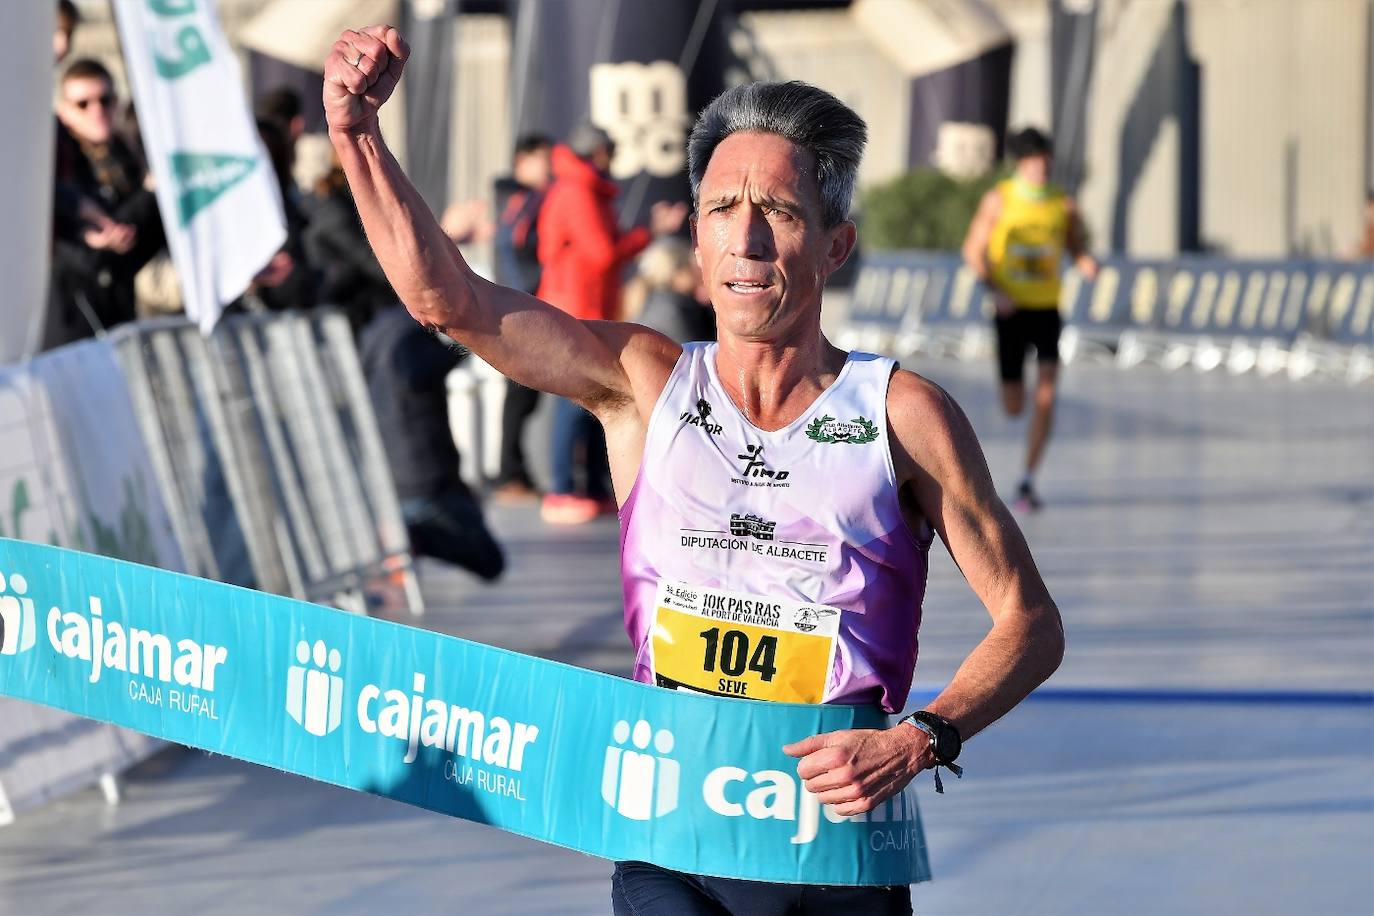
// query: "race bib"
[[735, 644]]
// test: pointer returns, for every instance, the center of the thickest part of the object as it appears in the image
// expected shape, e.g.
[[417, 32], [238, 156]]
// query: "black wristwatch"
[[945, 742]]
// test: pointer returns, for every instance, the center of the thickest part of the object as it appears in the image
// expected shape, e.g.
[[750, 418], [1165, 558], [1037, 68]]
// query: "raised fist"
[[360, 74]]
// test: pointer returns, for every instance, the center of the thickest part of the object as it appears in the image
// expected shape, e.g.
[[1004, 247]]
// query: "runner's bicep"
[[542, 347], [954, 490], [989, 549]]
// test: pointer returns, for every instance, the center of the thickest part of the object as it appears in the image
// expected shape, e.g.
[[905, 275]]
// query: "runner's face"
[[760, 241], [1034, 170]]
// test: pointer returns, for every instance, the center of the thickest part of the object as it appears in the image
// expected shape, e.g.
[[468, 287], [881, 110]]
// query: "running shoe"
[[566, 509], [1027, 500]]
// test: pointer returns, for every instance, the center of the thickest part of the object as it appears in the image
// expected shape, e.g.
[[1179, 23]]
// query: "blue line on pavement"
[[1163, 695]]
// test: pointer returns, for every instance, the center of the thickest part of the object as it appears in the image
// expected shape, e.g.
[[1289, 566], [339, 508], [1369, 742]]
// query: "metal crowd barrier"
[[1300, 318], [267, 452]]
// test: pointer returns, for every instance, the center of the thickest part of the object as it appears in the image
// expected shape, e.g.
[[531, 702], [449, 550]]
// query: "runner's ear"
[[843, 238]]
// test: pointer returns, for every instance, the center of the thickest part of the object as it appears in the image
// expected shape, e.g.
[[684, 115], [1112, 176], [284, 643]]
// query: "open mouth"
[[747, 287]]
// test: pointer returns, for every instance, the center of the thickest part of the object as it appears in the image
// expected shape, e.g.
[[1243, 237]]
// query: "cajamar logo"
[[638, 783], [17, 627], [702, 418], [314, 689], [857, 431]]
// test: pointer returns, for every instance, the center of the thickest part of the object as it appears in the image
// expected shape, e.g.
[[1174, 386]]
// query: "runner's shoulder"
[[646, 358], [991, 204], [929, 429]]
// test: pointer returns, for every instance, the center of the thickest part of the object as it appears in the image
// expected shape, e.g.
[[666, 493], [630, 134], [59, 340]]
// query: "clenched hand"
[[360, 74], [858, 769]]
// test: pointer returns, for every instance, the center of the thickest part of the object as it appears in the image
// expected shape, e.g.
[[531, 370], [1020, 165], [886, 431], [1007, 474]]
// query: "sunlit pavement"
[[1204, 749]]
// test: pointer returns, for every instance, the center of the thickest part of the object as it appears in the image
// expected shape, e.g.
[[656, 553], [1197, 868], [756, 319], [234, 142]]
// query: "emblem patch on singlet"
[[757, 536], [752, 526], [702, 418], [736, 644], [755, 472], [856, 432]]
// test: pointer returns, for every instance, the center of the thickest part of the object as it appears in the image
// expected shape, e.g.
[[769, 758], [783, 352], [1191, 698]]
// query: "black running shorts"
[[1024, 328]]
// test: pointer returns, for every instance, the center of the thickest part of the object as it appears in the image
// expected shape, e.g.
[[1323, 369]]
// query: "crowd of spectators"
[[555, 234]]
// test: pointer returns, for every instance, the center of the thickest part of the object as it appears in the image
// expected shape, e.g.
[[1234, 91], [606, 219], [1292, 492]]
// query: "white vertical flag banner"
[[216, 190]]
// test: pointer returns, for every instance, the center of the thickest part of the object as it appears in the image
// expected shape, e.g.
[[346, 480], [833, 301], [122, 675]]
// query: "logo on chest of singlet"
[[751, 525], [754, 535], [702, 418], [857, 431], [755, 472]]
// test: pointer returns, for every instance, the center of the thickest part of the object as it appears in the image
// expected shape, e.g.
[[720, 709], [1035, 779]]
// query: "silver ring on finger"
[[358, 63]]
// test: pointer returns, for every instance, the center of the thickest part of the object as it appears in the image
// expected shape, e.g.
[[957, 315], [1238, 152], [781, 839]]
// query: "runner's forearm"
[[424, 267], [523, 338], [1075, 239], [977, 261], [1020, 652]]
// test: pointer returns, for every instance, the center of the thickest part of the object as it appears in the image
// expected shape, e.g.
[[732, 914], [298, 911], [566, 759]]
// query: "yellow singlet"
[[1027, 244]]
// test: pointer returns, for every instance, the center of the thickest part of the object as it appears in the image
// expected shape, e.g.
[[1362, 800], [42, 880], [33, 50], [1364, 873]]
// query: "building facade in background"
[[1238, 127]]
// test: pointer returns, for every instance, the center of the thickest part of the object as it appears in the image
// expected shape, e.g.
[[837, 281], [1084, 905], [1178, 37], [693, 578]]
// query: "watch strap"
[[932, 724]]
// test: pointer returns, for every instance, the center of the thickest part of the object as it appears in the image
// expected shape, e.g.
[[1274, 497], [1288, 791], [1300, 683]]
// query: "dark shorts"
[[1024, 328], [641, 889]]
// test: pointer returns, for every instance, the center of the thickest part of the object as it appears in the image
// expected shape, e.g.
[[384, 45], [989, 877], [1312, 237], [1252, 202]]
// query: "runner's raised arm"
[[526, 339]]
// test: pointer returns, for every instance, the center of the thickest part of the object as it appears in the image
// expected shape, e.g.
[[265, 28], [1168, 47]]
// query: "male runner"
[[839, 466], [1015, 245]]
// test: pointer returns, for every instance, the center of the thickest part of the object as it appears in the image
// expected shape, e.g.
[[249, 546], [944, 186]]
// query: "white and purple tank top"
[[772, 565]]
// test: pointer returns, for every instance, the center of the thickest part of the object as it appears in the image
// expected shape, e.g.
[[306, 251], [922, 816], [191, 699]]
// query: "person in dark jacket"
[[519, 197], [349, 275], [673, 305], [405, 367], [97, 171], [289, 281]]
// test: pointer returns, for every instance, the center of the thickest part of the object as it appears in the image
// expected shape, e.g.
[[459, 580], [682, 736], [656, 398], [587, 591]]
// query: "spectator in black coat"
[[349, 275], [107, 223], [406, 366], [288, 280]]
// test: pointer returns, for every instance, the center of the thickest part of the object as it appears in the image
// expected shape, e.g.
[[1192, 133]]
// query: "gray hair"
[[809, 117]]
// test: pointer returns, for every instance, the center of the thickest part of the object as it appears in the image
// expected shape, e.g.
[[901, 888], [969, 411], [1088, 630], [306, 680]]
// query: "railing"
[[267, 453], [1300, 318]]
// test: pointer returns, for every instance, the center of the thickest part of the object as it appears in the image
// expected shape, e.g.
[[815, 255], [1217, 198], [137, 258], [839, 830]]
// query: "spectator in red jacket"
[[582, 253]]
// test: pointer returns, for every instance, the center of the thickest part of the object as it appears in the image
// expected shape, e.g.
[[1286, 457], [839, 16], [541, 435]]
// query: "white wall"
[[26, 149]]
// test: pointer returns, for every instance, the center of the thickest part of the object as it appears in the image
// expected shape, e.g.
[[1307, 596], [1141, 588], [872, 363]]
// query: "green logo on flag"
[[202, 177]]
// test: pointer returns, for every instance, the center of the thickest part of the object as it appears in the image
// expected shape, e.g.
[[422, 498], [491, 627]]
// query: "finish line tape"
[[580, 759]]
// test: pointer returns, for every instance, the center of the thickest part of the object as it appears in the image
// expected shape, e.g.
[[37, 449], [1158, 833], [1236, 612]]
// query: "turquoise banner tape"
[[572, 757]]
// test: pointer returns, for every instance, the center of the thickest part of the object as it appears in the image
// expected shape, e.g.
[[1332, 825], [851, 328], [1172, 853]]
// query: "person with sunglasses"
[[93, 272]]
